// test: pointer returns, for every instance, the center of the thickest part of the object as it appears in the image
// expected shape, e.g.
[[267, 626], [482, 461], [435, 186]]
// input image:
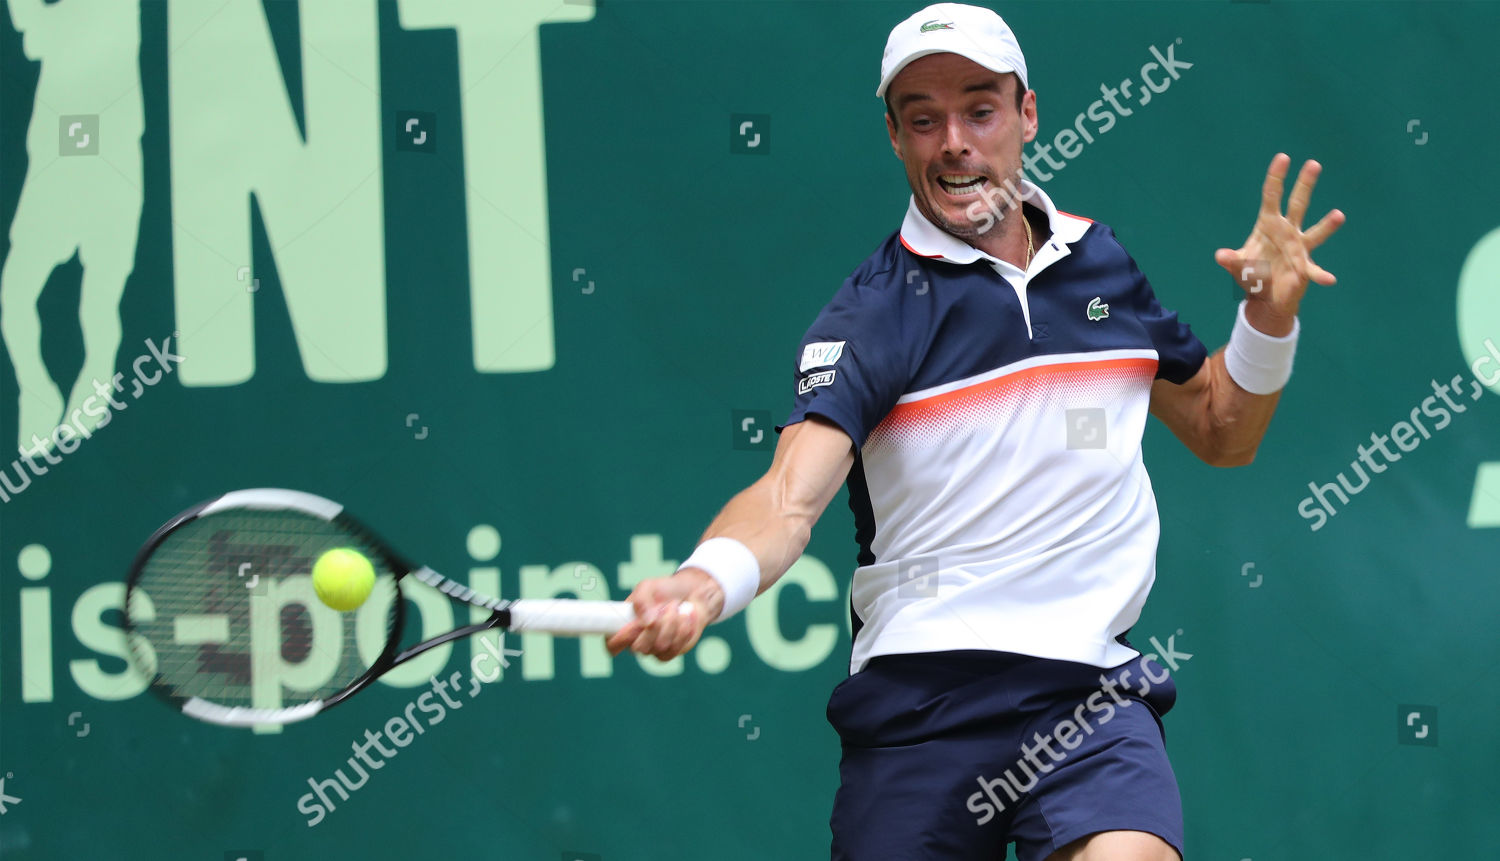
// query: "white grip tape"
[[1259, 363], [204, 710], [733, 566], [569, 617]]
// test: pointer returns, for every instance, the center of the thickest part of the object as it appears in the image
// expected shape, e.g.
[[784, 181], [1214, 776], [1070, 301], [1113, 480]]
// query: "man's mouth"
[[961, 184]]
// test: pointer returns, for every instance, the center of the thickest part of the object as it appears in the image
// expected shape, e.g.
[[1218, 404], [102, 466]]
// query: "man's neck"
[[1041, 230], [1009, 243]]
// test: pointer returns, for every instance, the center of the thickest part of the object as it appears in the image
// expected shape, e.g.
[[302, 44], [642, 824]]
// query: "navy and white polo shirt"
[[999, 495]]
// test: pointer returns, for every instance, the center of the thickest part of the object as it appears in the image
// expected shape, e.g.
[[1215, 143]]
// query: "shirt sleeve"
[[1180, 353], [851, 366]]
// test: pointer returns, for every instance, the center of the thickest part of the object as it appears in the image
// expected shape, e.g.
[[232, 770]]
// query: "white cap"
[[952, 28]]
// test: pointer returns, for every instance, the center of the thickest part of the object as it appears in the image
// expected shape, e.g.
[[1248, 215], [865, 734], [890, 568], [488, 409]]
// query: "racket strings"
[[224, 610]]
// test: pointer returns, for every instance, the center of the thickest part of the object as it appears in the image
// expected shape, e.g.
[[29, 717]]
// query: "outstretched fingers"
[[1235, 263], [1271, 191], [1320, 275], [1302, 191], [1326, 227], [1279, 241]]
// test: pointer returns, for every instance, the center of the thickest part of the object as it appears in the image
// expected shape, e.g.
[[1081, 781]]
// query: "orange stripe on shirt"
[[1010, 383], [918, 253]]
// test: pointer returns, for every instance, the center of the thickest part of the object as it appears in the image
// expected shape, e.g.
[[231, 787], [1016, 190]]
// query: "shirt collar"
[[925, 239]]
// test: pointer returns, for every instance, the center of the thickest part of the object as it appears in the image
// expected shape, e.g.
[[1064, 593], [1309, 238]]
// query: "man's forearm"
[[1222, 415], [1236, 419], [766, 526], [766, 519]]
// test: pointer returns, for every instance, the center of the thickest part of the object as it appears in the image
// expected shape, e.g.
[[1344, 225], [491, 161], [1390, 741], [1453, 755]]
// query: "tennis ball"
[[343, 578]]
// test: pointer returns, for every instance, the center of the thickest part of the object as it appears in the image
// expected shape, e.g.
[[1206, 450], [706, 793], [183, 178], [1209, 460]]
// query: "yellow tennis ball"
[[343, 578]]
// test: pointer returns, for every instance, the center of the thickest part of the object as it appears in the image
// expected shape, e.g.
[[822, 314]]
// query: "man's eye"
[[921, 123], [983, 112]]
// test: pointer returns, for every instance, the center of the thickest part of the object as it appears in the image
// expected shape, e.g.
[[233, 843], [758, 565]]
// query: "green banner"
[[522, 283]]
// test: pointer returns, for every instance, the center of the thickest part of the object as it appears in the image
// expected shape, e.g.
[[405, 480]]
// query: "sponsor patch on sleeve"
[[820, 353], [812, 381]]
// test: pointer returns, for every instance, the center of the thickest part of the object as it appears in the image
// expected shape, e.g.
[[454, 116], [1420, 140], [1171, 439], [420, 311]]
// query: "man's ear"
[[890, 128], [1028, 116]]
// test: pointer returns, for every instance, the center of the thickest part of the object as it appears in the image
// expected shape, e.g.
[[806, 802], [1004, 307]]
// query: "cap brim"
[[885, 83]]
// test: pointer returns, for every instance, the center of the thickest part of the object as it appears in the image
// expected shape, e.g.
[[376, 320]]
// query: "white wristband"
[[734, 567], [1260, 363]]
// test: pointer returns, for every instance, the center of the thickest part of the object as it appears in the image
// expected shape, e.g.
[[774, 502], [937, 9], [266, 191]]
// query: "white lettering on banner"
[[505, 171], [1478, 322], [102, 670], [234, 139]]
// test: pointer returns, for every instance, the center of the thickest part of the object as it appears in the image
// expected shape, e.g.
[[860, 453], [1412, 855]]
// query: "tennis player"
[[982, 383]]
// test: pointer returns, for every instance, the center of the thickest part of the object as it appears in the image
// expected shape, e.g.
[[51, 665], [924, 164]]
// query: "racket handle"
[[569, 617]]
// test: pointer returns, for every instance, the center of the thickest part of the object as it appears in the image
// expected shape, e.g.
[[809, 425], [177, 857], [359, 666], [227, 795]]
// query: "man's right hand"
[[670, 614]]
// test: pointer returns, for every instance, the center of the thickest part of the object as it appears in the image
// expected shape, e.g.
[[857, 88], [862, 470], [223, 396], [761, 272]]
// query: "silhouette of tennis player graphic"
[[82, 194]]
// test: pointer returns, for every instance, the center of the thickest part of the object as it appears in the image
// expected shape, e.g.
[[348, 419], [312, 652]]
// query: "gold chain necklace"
[[1030, 249]]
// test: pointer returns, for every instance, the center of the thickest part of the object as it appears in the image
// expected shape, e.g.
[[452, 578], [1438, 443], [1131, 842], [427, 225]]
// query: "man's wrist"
[[1258, 361], [733, 567], [1268, 320], [704, 590]]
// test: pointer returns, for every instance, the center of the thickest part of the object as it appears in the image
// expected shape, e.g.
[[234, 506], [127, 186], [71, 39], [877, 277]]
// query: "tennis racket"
[[221, 615]]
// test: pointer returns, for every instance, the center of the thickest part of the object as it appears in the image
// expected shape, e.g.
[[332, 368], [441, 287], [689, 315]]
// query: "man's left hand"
[[1275, 263]]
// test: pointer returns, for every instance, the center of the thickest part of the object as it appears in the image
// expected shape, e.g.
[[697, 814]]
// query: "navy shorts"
[[954, 755]]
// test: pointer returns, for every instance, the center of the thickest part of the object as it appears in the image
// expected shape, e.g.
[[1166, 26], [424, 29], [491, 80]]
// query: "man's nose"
[[953, 140]]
